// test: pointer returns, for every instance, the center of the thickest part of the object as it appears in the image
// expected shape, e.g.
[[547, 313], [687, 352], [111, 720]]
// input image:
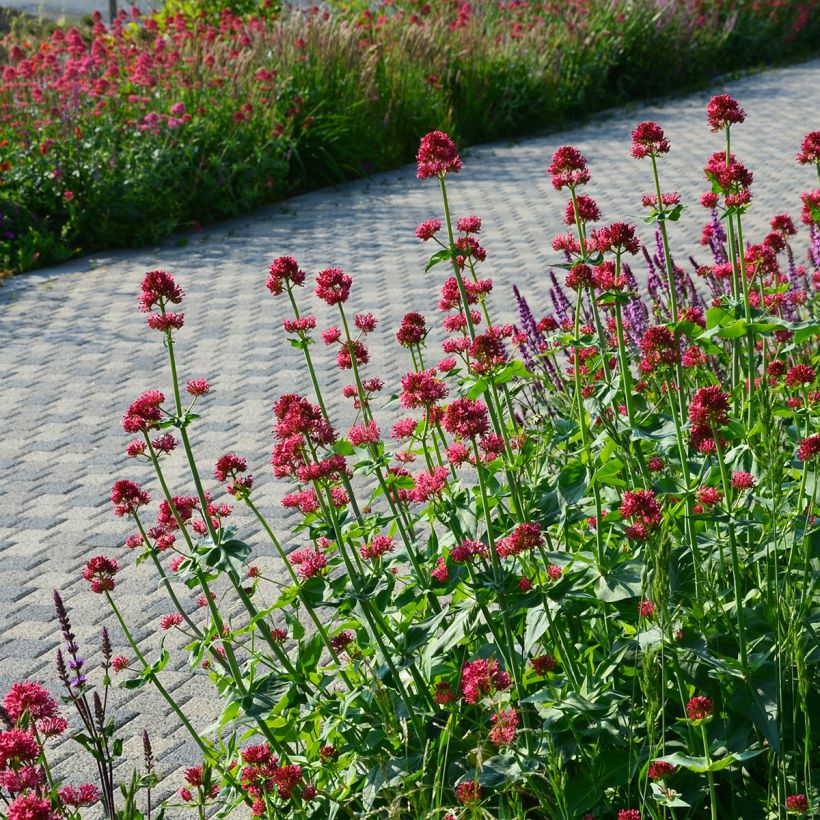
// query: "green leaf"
[[537, 624], [623, 582], [572, 482], [438, 256]]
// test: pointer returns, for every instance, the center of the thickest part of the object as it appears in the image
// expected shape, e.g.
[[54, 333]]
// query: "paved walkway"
[[75, 350]]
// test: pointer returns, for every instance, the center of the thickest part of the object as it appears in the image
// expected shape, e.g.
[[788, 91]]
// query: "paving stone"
[[75, 352]]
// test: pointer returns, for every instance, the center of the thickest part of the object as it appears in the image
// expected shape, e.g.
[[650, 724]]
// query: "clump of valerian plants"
[[577, 577]]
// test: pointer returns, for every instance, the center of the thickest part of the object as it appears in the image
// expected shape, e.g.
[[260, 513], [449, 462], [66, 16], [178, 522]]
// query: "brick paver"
[[75, 350]]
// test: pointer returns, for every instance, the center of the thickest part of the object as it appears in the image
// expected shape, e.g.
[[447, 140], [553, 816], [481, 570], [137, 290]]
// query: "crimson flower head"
[[468, 793], [333, 285], [481, 678], [700, 708], [504, 732], [659, 769], [797, 804], [30, 807], [709, 407], [228, 466], [724, 111], [144, 413], [648, 140], [100, 571], [811, 207], [466, 418], [810, 149], [198, 387], [284, 272], [809, 447], [469, 224], [412, 331], [783, 223], [158, 289], [588, 210], [428, 229], [127, 497], [800, 375], [640, 505], [629, 814], [437, 155], [568, 168], [524, 538], [580, 277], [619, 237], [84, 795], [29, 697]]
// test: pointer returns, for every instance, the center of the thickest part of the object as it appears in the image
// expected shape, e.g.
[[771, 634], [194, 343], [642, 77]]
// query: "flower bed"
[[578, 583], [118, 136]]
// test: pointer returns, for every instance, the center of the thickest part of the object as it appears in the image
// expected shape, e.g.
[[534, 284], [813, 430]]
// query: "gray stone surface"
[[75, 350]]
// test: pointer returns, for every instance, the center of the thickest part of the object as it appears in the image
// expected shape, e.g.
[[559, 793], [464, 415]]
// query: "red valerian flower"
[[810, 149], [310, 562], [29, 697], [469, 224], [481, 678], [144, 413], [659, 769], [84, 795], [724, 111], [17, 746], [708, 496], [299, 326], [30, 807], [797, 804], [580, 277], [699, 708], [468, 793], [543, 664], [588, 210], [646, 608], [158, 288], [377, 547], [412, 330], [198, 387], [428, 484], [709, 407], [365, 322], [341, 641], [809, 447], [811, 207], [524, 538], [784, 224], [648, 140], [428, 229], [641, 505], [437, 155], [466, 418], [504, 729], [422, 389], [619, 237], [282, 271], [119, 662], [629, 814], [333, 285], [171, 620], [100, 571], [467, 550], [742, 481], [441, 573], [568, 168], [799, 375], [444, 693], [286, 779]]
